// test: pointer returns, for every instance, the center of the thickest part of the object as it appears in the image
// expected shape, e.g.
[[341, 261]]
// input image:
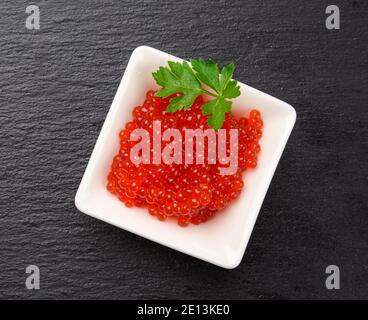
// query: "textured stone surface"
[[56, 86]]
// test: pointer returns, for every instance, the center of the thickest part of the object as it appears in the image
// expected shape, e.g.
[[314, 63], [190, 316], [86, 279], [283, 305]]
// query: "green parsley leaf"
[[182, 102], [208, 73], [232, 90], [178, 78], [217, 108], [226, 74], [187, 80]]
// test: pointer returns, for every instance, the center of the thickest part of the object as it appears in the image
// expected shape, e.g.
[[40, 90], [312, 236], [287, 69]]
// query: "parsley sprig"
[[188, 79]]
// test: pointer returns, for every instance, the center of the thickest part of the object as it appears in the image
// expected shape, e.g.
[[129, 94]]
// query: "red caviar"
[[188, 193]]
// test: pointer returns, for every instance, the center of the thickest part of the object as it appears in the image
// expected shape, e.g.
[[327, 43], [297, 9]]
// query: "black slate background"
[[57, 83]]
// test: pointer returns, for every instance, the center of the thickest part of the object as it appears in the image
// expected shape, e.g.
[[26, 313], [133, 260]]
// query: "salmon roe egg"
[[188, 193]]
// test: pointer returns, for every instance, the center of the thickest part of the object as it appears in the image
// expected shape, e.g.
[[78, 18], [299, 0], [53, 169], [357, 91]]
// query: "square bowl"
[[222, 240]]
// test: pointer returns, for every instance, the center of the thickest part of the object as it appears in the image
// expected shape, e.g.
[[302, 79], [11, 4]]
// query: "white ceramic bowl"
[[222, 240]]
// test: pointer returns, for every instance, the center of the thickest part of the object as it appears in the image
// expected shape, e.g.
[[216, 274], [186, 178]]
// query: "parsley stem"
[[209, 93]]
